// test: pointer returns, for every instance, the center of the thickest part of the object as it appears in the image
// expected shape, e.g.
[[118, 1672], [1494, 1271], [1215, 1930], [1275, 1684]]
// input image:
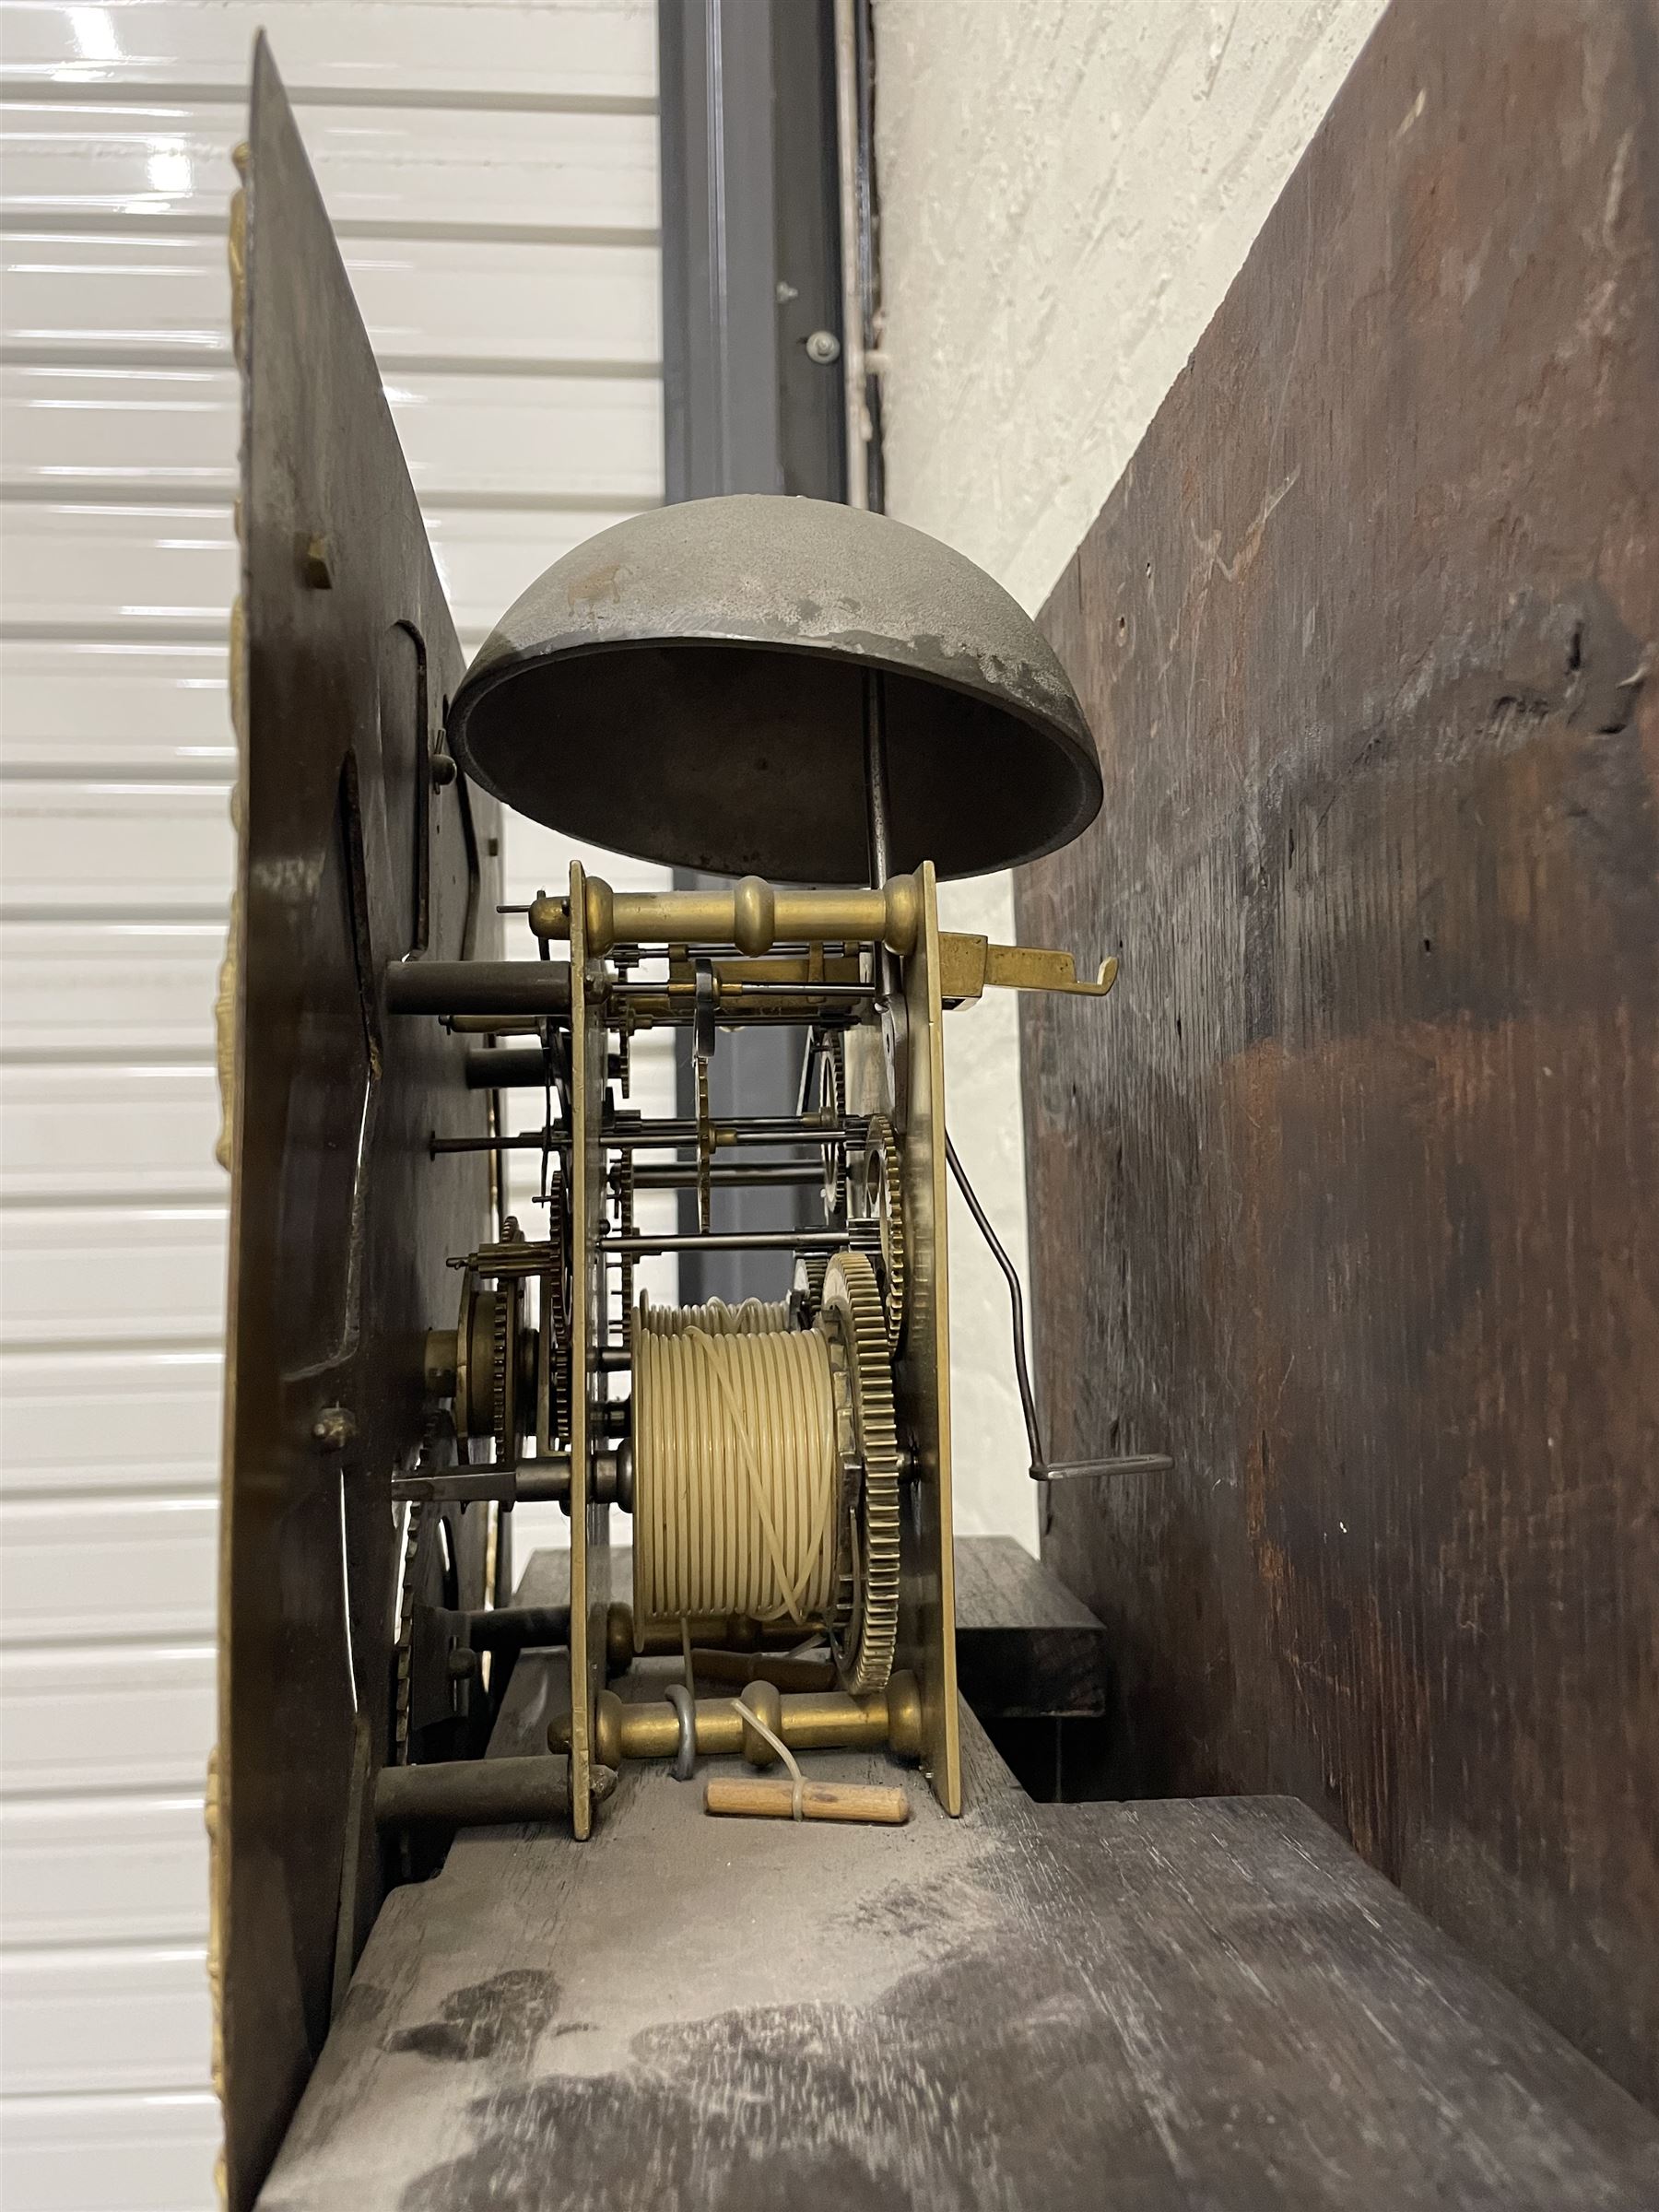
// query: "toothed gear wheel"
[[406, 1637], [507, 1300], [475, 1360], [562, 1397], [504, 1374], [557, 1318], [865, 1236], [625, 1226], [883, 1196], [435, 1715], [830, 1081], [864, 1645], [705, 1148], [808, 1283], [559, 1238]]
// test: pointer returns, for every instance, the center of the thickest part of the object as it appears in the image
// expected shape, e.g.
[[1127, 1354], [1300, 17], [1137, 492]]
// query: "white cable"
[[749, 1713], [736, 1472], [754, 1317]]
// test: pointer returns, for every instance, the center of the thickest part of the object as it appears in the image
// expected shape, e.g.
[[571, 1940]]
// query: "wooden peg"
[[770, 1797]]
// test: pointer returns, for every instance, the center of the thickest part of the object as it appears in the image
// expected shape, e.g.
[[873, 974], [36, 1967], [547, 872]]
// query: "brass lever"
[[968, 964]]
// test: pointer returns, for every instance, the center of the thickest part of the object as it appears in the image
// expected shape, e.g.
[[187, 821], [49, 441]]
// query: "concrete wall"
[[1067, 193]]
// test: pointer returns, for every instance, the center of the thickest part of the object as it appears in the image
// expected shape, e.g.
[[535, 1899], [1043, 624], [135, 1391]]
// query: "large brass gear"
[[866, 1637], [879, 1233]]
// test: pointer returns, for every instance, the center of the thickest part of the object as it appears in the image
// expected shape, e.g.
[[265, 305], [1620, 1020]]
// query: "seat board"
[[1181, 2003]]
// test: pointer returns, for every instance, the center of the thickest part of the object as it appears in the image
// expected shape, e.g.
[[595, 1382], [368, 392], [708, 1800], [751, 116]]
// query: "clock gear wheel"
[[878, 1232], [561, 1393], [624, 1186], [404, 1650], [705, 1147], [489, 1356], [552, 1341], [432, 1708], [865, 1633], [826, 1094], [504, 1375], [474, 1358], [807, 1288]]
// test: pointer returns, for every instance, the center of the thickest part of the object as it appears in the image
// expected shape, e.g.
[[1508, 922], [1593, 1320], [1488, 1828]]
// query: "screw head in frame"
[[334, 1429]]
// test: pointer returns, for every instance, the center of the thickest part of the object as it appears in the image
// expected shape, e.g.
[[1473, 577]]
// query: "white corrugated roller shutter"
[[492, 170]]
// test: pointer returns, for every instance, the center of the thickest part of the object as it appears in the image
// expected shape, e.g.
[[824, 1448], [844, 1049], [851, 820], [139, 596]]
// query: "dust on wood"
[[1033, 2007]]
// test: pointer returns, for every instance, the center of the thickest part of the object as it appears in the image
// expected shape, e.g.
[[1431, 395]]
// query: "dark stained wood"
[[1000, 1585], [341, 1222], [1026, 1648], [1053, 2007], [1350, 1198]]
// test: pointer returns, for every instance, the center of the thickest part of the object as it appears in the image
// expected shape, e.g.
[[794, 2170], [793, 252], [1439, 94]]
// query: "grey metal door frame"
[[754, 398]]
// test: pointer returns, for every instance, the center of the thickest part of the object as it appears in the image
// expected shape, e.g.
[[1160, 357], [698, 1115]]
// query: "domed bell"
[[689, 687]]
